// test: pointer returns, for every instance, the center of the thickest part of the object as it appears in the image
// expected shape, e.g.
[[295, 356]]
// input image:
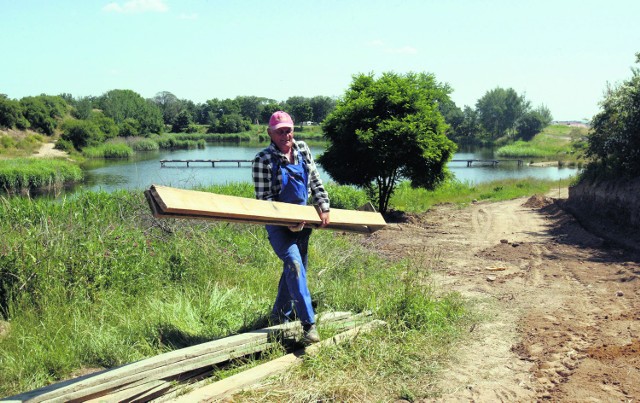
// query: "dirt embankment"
[[561, 306]]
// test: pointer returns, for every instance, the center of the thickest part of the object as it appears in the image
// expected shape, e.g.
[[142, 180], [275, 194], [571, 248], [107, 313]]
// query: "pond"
[[145, 169]]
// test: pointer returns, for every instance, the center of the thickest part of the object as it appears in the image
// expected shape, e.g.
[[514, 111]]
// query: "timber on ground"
[[175, 372]]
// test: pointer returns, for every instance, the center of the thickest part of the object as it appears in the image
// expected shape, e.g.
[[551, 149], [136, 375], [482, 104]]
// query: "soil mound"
[[538, 201]]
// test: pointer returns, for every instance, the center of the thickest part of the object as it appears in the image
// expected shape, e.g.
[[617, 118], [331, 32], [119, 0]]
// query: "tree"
[[182, 122], [268, 109], [83, 108], [36, 111], [388, 129], [121, 105], [11, 114], [82, 133], [499, 110], [300, 109], [321, 107], [169, 106], [250, 107], [614, 143], [532, 123]]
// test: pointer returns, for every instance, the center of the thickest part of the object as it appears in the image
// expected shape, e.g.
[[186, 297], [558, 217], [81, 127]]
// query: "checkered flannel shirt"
[[261, 172]]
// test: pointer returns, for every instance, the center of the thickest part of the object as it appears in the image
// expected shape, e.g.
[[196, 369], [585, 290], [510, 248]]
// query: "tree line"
[[500, 113]]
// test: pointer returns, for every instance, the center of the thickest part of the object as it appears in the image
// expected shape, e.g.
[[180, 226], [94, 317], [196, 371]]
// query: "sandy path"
[[47, 151], [561, 320]]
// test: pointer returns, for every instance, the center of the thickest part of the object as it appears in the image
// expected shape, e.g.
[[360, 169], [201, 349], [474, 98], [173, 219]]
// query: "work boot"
[[310, 334]]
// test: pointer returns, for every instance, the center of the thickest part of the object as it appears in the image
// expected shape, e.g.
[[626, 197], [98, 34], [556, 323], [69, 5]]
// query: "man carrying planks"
[[285, 172]]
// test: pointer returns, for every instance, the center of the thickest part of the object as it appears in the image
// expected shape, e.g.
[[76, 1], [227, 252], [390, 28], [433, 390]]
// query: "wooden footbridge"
[[163, 163], [189, 163], [485, 162]]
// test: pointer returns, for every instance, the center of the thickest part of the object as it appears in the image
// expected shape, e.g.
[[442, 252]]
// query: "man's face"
[[282, 138]]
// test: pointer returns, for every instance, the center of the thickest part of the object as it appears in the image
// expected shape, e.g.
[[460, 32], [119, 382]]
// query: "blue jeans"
[[293, 292]]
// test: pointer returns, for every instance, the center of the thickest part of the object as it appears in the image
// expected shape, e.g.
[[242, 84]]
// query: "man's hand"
[[297, 228], [324, 217]]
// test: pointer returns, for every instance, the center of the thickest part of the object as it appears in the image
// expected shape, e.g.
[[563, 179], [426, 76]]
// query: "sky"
[[558, 53]]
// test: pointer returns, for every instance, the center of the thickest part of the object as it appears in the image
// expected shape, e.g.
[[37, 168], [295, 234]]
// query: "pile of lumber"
[[168, 202], [171, 375]]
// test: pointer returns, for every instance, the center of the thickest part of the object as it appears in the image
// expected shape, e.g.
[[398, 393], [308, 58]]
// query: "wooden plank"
[[190, 203], [238, 382], [209, 353]]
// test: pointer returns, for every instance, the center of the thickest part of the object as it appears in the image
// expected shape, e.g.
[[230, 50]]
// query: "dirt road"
[[560, 307]]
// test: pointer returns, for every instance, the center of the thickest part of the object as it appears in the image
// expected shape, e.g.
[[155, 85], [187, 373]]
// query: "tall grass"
[[20, 174], [95, 281], [109, 150], [22, 144]]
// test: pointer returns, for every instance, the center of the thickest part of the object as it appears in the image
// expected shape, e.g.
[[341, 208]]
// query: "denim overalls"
[[291, 247]]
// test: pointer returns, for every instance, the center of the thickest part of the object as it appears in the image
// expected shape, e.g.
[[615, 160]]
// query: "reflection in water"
[[144, 169]]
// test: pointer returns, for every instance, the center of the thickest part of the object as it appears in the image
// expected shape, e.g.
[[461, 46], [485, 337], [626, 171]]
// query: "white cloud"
[[137, 6]]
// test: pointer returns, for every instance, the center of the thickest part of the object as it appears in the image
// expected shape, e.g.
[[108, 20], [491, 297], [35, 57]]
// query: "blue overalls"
[[291, 247]]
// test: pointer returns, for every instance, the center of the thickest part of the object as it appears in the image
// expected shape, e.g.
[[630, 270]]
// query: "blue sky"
[[560, 53]]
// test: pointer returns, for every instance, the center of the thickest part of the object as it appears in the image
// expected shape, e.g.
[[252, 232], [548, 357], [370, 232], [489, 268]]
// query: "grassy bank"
[[555, 142], [418, 200], [24, 174], [94, 281]]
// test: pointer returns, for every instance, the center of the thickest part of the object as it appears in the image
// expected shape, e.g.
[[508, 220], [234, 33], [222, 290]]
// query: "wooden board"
[[143, 376], [167, 202], [235, 383]]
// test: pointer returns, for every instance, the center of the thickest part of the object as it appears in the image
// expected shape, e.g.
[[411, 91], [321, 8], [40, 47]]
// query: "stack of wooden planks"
[[169, 375], [168, 202]]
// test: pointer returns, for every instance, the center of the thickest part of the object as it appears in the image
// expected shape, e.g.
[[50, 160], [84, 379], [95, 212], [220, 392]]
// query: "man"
[[285, 172]]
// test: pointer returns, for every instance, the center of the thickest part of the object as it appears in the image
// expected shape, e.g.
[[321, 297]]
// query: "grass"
[[93, 281], [109, 150], [558, 142], [19, 143], [24, 174], [418, 200]]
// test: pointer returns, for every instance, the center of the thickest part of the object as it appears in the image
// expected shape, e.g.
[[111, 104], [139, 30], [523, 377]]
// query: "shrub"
[[614, 143], [82, 133]]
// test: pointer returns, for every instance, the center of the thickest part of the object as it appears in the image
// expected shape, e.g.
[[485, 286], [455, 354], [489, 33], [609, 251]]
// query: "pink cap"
[[280, 119]]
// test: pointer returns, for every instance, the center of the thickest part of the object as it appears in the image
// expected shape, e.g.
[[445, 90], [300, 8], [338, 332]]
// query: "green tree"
[[300, 109], [532, 122], [182, 122], [169, 105], [126, 104], [388, 129], [82, 133], [37, 112], [83, 108], [107, 126], [469, 129], [11, 114], [321, 107], [250, 107], [614, 143], [499, 110], [268, 109], [233, 123]]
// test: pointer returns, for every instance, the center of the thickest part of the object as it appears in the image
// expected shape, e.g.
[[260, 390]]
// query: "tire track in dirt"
[[561, 307]]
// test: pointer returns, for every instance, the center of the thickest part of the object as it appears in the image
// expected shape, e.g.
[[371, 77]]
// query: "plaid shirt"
[[266, 189]]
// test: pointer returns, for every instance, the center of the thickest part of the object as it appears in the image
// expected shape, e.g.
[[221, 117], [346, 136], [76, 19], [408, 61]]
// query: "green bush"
[[614, 143], [82, 133]]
